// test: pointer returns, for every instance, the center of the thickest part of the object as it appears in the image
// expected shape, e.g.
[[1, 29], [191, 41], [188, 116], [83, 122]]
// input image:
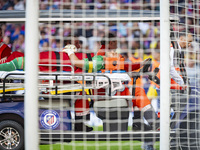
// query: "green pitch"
[[98, 145]]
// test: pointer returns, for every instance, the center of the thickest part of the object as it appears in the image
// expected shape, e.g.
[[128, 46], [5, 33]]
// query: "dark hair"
[[108, 38], [124, 54], [69, 39], [42, 32]]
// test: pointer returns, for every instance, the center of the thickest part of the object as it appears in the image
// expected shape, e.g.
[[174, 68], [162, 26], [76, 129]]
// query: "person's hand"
[[69, 49], [184, 87], [3, 60]]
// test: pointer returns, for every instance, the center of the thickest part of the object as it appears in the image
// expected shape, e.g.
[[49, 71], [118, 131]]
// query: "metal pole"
[[165, 75], [31, 75]]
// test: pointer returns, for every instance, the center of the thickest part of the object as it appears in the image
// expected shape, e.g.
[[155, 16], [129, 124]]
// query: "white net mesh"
[[120, 105], [185, 103]]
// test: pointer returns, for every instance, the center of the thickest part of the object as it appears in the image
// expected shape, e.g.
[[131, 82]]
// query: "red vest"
[[14, 55], [49, 57], [5, 51]]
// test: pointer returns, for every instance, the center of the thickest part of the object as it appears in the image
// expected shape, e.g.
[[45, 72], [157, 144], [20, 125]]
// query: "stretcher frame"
[[58, 76]]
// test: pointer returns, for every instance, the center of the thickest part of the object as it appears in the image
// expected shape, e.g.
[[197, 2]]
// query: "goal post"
[[31, 75], [165, 75]]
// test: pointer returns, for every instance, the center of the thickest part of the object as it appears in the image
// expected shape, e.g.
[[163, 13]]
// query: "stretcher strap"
[[11, 90], [89, 91], [57, 60], [52, 92], [90, 62], [90, 67], [67, 91]]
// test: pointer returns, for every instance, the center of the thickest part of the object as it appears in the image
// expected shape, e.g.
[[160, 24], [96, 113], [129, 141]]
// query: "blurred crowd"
[[103, 4], [182, 8], [187, 10], [136, 41], [12, 4], [131, 37], [83, 4]]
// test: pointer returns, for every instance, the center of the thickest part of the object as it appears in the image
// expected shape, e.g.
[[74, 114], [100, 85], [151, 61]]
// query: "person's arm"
[[131, 67], [173, 73], [70, 49], [97, 61], [134, 66], [75, 61], [176, 77]]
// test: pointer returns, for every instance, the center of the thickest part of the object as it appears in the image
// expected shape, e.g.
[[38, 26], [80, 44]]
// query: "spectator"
[[123, 28], [123, 44], [44, 6], [93, 41], [135, 45], [43, 38], [101, 4], [45, 47], [87, 31], [6, 4], [147, 5], [193, 69], [53, 43], [6, 40], [67, 30], [90, 4], [18, 5], [58, 45], [10, 8], [113, 4], [67, 4], [16, 33]]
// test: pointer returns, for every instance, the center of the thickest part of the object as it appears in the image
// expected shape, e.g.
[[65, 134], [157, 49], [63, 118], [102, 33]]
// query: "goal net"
[[185, 104], [110, 74]]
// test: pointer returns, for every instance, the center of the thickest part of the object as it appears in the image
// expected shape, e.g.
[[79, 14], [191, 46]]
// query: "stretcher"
[[57, 83]]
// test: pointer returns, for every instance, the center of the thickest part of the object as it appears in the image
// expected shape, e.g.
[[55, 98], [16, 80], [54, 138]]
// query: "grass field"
[[98, 145]]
